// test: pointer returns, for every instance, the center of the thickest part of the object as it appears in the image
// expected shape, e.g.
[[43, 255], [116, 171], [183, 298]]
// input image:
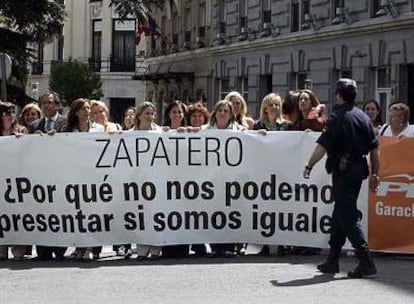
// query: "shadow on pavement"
[[317, 279], [392, 271]]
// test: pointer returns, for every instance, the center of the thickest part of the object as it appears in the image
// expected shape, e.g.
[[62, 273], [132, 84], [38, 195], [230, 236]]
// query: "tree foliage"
[[26, 21], [74, 79], [23, 23], [138, 8]]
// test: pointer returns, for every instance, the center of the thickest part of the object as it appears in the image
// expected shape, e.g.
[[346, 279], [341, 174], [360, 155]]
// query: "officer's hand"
[[373, 182]]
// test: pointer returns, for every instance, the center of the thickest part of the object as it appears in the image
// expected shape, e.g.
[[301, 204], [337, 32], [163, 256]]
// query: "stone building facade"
[[94, 34], [209, 47]]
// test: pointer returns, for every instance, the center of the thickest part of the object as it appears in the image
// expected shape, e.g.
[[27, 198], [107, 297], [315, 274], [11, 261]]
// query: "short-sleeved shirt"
[[349, 130], [408, 131]]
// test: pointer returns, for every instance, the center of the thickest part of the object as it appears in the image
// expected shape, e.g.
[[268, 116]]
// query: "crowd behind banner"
[[188, 154]]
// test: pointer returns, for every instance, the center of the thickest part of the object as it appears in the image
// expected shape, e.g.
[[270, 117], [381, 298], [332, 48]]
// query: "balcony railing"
[[122, 64], [99, 65], [95, 64]]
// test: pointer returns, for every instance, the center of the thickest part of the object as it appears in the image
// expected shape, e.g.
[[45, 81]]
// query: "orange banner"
[[391, 208]]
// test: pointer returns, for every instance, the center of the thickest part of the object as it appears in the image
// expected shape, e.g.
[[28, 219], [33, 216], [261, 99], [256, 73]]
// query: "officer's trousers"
[[346, 217]]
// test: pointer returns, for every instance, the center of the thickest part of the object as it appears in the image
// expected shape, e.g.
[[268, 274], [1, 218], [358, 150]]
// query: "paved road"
[[248, 279]]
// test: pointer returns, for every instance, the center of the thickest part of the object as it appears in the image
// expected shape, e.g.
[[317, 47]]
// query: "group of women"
[[299, 110]]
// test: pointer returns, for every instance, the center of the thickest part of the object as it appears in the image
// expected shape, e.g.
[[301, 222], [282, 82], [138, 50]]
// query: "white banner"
[[80, 189]]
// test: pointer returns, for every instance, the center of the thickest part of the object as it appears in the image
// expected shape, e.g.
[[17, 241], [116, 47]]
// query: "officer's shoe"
[[332, 262], [364, 269], [329, 267]]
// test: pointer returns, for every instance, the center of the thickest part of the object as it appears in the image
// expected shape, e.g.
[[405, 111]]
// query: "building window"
[[202, 14], [337, 4], [243, 16], [163, 31], [60, 47], [123, 46], [298, 81], [187, 19], [222, 13], [201, 30], [266, 18], [305, 15], [376, 6], [224, 88], [37, 65], [347, 73], [384, 77], [267, 5], [383, 88], [95, 60], [187, 27], [244, 87], [174, 26], [301, 17], [294, 15]]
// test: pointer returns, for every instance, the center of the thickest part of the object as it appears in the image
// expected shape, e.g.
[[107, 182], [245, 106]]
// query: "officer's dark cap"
[[346, 85]]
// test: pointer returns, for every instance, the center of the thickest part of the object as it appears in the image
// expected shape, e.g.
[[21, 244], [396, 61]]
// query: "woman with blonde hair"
[[398, 121], [271, 115], [145, 116], [100, 115], [240, 109], [30, 113], [144, 121]]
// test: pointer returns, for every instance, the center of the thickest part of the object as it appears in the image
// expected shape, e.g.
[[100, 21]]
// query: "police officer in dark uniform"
[[347, 140]]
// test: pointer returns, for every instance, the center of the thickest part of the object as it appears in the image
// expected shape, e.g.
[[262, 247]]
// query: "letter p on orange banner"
[[391, 208]]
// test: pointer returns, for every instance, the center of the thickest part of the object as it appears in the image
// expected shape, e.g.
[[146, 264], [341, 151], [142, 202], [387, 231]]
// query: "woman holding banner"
[[373, 110], [8, 127], [79, 121], [290, 107], [100, 114], [399, 115], [198, 115], [175, 115], [29, 114], [240, 109], [144, 121], [223, 117], [271, 115], [311, 113], [175, 118], [129, 118]]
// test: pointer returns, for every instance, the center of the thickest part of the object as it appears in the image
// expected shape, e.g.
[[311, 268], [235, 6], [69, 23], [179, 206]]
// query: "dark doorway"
[[118, 108]]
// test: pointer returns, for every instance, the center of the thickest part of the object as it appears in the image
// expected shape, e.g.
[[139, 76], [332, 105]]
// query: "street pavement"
[[246, 279]]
